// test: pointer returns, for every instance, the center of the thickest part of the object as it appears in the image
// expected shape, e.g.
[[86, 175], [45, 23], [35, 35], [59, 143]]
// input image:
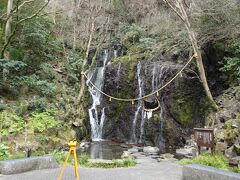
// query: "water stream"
[[139, 110], [96, 113]]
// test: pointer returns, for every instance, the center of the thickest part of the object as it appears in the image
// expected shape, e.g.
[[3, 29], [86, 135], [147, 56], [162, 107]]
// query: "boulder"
[[83, 145], [126, 154], [133, 150], [124, 145], [237, 149], [186, 152], [150, 150], [235, 123], [220, 147], [224, 115], [230, 152], [190, 142], [27, 164], [166, 157], [219, 134], [235, 161]]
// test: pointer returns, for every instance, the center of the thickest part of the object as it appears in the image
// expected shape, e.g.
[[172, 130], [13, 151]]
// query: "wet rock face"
[[181, 104]]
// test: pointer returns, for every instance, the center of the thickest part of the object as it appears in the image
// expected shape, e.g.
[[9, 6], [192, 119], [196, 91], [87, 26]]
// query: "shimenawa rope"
[[143, 97]]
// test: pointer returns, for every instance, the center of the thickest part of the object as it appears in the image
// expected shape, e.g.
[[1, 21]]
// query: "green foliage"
[[83, 160], [12, 65], [33, 46], [38, 105], [4, 152], [120, 8], [35, 84], [73, 67], [183, 110], [129, 162], [132, 34], [131, 62], [60, 156], [231, 134], [40, 122], [118, 108], [232, 64], [2, 107], [155, 117], [10, 123], [36, 42], [217, 161], [46, 72]]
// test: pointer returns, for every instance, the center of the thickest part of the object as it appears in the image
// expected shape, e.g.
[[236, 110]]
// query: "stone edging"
[[201, 172], [27, 164]]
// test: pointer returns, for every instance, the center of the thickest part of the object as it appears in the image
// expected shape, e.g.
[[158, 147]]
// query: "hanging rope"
[[143, 97], [153, 109]]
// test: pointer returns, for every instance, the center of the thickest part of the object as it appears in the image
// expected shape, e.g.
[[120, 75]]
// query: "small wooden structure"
[[204, 137]]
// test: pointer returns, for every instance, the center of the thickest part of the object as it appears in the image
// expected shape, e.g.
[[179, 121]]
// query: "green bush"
[[60, 156], [72, 67], [83, 160], [40, 122], [4, 152], [232, 63], [132, 34], [217, 161], [38, 105], [10, 123]]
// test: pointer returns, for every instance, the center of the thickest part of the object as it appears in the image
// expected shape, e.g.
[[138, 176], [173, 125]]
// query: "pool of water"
[[104, 150]]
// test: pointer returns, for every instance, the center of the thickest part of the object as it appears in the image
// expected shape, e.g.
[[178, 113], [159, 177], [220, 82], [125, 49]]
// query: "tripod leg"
[[76, 165], [64, 165]]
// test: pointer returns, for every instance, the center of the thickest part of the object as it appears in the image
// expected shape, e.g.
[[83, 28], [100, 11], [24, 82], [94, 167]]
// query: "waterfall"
[[158, 80], [148, 115], [96, 113], [115, 53], [118, 71], [139, 109]]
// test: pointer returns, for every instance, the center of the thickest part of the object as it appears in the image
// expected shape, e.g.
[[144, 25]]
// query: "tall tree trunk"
[[178, 7], [197, 51], [83, 82], [200, 65], [9, 21]]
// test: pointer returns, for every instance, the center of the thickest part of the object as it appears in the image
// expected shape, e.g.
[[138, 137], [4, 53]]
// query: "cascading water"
[[139, 109], [158, 79], [97, 114]]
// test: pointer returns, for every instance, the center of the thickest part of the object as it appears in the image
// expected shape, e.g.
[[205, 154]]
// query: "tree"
[[10, 32], [83, 25], [180, 8], [8, 23]]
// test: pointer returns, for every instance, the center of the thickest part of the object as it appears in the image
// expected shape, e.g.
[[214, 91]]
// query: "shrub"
[[38, 105], [232, 64], [40, 122], [217, 161], [83, 159], [10, 123], [60, 156], [4, 152]]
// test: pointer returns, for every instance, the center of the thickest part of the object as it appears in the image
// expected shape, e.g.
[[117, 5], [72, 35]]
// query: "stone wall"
[[201, 172]]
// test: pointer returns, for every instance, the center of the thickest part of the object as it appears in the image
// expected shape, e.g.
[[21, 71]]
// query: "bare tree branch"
[[16, 26]]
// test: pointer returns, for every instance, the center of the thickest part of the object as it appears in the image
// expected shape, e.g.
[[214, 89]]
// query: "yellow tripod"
[[72, 145]]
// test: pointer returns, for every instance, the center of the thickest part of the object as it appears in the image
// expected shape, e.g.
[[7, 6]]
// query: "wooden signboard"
[[204, 137]]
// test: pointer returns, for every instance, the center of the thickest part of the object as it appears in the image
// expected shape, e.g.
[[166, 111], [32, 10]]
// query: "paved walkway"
[[146, 169]]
